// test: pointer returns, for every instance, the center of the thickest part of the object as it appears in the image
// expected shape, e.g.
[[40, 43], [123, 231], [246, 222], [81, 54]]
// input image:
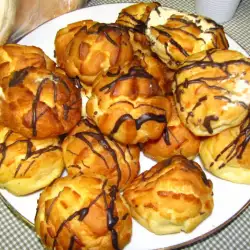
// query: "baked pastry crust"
[[175, 140], [28, 165], [175, 35], [82, 213], [172, 196], [88, 151], [65, 35], [94, 49], [154, 66], [226, 155], [128, 104], [15, 57], [212, 91], [39, 103], [134, 18]]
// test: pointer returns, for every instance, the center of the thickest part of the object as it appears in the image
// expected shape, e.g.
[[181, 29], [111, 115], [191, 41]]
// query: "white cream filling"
[[162, 14], [242, 94]]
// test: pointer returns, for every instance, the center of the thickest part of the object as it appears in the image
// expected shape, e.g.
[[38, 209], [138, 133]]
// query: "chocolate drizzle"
[[34, 106], [134, 24], [134, 72], [35, 154], [139, 121], [112, 220], [171, 40], [224, 95], [165, 136], [18, 76], [191, 165], [207, 122], [236, 148], [29, 152], [100, 138], [191, 113], [54, 81], [3, 147], [105, 29]]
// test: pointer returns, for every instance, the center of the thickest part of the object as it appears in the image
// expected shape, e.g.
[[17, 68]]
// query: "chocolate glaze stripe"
[[3, 147], [36, 154], [227, 99], [184, 21], [172, 41], [128, 148], [69, 107], [82, 213], [108, 37], [48, 211], [165, 136], [58, 79], [207, 122], [188, 163], [124, 158], [111, 218], [134, 72], [139, 121], [71, 152], [18, 77], [169, 55], [89, 123], [72, 242], [236, 148], [105, 145], [139, 26], [28, 168], [191, 113], [34, 106], [204, 64], [136, 107], [173, 135], [83, 138], [183, 31]]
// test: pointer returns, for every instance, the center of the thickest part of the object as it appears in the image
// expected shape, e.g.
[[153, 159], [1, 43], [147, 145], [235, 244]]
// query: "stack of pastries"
[[157, 80]]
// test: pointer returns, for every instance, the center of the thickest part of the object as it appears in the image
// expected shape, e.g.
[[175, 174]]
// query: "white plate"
[[229, 198]]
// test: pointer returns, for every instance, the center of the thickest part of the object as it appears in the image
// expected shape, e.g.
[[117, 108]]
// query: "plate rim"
[[211, 232]]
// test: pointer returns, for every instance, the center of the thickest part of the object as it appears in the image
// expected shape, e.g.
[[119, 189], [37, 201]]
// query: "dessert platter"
[[125, 127]]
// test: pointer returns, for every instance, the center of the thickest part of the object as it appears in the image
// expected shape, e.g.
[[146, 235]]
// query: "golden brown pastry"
[[172, 196], [226, 155], [175, 140], [28, 165], [134, 18], [14, 57], [64, 37], [82, 213], [88, 151], [93, 50], [39, 103], [128, 104], [175, 35], [212, 91], [153, 65]]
